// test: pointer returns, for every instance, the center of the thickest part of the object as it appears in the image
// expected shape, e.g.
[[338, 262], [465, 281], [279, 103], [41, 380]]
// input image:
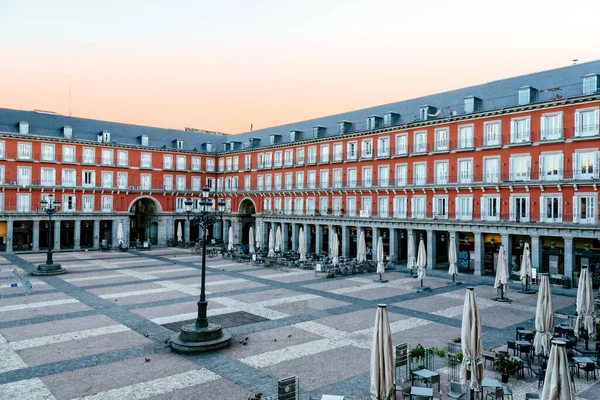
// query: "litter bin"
[[566, 282]]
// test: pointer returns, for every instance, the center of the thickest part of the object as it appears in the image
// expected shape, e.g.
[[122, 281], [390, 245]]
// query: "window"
[[584, 208], [401, 174], [420, 173], [491, 169], [383, 175], [586, 123], [68, 155], [107, 202], [122, 181], [248, 162], [311, 206], [464, 207], [288, 206], [289, 178], [441, 139], [299, 180], [278, 207], [268, 182], [366, 207], [167, 161], [268, 160], [519, 208], [441, 172], [89, 155], [236, 163], [145, 181], [144, 140], [440, 207], [47, 152], [590, 84], [181, 163], [267, 204], [24, 151], [490, 208], [383, 147], [210, 165], [24, 176], [180, 204], [323, 205], [492, 135], [221, 164], [337, 178], [288, 158], [325, 153], [367, 148], [179, 144], [145, 160], [418, 207], [107, 180], [88, 179], [278, 182], [123, 158], [524, 95], [260, 180], [400, 207], [401, 144], [520, 167], [87, 203], [551, 166], [324, 178], [48, 177], [2, 149], [351, 206], [312, 179], [336, 205], [367, 177], [68, 177], [382, 207], [2, 175], [107, 157], [337, 152], [247, 183], [23, 202], [181, 182], [352, 151], [520, 132], [420, 142], [551, 125], [465, 171], [196, 184], [312, 155], [229, 164], [465, 137], [68, 203], [351, 177], [585, 164], [168, 182], [260, 160], [278, 160], [551, 208]]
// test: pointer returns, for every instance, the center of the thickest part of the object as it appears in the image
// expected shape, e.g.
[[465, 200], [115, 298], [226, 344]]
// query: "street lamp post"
[[202, 336], [50, 207]]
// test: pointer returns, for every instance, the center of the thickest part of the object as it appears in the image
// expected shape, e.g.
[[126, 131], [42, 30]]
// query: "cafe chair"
[[455, 390], [510, 345], [517, 329], [496, 394], [508, 391], [589, 369]]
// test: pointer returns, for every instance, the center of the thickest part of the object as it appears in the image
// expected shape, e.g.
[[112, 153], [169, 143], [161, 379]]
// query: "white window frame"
[[401, 174], [466, 136], [522, 212], [351, 206], [23, 202], [420, 173], [587, 129], [92, 175], [515, 163], [548, 132], [352, 150], [551, 204], [167, 182], [338, 152], [491, 176], [167, 161], [47, 177], [591, 211], [401, 144], [106, 182], [420, 142], [324, 179], [288, 158], [145, 160], [108, 157], [24, 151], [442, 139], [87, 203], [520, 130], [464, 207], [549, 172], [366, 148], [122, 180], [465, 170], [383, 207], [492, 133], [48, 152], [366, 206], [181, 163], [106, 203], [324, 153], [400, 210], [123, 158], [88, 155], [579, 172], [441, 168], [24, 176], [367, 177], [352, 177], [490, 207], [69, 202], [383, 146], [68, 182], [418, 207], [383, 176], [440, 206]]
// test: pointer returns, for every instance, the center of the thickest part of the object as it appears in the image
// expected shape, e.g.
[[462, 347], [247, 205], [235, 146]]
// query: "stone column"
[[77, 234], [217, 230], [284, 236], [393, 245], [294, 237], [536, 251], [36, 235], [431, 257], [56, 235], [479, 253], [345, 241], [9, 235], [307, 236], [569, 259], [186, 230], [96, 233], [319, 238]]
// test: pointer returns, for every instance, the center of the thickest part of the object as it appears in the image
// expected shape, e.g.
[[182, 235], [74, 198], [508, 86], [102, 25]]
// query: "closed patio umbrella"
[[230, 239], [526, 267], [335, 250], [586, 320], [271, 244], [258, 237], [179, 232], [380, 259], [452, 258], [278, 239], [544, 318], [471, 342], [501, 282], [361, 252], [120, 234], [251, 249], [557, 382], [302, 245], [421, 261], [382, 357], [411, 260]]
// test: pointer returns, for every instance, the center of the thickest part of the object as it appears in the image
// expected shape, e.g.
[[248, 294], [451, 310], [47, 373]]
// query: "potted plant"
[[506, 366]]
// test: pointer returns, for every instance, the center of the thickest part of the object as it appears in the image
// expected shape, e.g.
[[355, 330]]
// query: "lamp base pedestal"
[[49, 269], [192, 339]]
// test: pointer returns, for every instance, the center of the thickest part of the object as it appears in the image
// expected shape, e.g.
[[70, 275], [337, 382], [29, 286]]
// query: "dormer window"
[[67, 132], [178, 144], [374, 122], [344, 127], [425, 112], [590, 84], [472, 104], [275, 139], [23, 127], [527, 95], [391, 119], [144, 140], [104, 137], [295, 135], [319, 131]]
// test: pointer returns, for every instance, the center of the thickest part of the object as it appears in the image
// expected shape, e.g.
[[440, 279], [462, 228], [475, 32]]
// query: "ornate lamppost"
[[202, 336], [50, 207]]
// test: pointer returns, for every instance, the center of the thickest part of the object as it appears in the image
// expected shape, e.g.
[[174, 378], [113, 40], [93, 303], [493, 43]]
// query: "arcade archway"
[[143, 224]]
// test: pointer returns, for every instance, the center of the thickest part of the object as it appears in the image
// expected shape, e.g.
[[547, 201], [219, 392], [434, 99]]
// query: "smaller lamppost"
[[202, 336], [50, 207]]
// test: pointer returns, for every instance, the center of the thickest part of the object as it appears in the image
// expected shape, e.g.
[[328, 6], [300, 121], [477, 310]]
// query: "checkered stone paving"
[[102, 330]]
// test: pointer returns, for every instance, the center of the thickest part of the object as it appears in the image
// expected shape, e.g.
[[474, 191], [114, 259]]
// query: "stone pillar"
[[569, 259], [294, 237], [284, 236], [96, 234], [307, 236], [77, 234], [56, 235], [393, 245], [431, 258], [36, 235], [536, 251], [9, 235], [186, 230], [507, 243], [345, 241], [217, 230], [479, 253], [319, 238]]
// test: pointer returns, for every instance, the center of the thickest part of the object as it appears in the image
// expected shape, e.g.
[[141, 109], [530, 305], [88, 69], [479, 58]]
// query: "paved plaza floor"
[[102, 330]]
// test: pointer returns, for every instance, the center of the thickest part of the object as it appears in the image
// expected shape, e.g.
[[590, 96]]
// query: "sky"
[[226, 65]]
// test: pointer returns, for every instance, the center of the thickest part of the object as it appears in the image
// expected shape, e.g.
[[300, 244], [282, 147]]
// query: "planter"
[[504, 378]]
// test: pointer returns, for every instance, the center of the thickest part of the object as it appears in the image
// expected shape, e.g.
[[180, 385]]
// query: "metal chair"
[[510, 345], [508, 391], [455, 390], [496, 394]]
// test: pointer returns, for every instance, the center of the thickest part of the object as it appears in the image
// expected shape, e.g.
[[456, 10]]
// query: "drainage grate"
[[230, 320]]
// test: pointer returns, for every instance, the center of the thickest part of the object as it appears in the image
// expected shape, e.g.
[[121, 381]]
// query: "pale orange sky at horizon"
[[226, 66]]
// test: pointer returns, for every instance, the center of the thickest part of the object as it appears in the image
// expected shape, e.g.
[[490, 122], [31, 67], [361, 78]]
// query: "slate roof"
[[494, 95]]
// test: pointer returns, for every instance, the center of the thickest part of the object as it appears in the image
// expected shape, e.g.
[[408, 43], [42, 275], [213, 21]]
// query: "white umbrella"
[[179, 232], [230, 239], [411, 260], [526, 266], [380, 256], [361, 252], [557, 382], [335, 250], [258, 237], [302, 245], [278, 239], [586, 320], [251, 241], [120, 233], [452, 258], [501, 282], [421, 261], [271, 244], [544, 318], [382, 357], [471, 342]]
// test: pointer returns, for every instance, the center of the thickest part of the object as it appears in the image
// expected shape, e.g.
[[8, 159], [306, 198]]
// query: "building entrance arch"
[[143, 220]]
